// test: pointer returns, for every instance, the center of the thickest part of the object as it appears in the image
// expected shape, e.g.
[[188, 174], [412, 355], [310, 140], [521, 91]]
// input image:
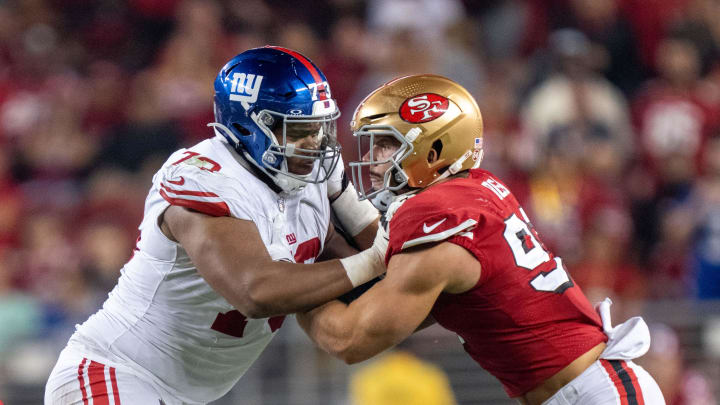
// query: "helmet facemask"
[[285, 132], [309, 140], [370, 145]]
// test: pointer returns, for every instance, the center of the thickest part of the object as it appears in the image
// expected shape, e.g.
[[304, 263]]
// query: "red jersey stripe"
[[215, 209], [116, 392], [313, 71], [98, 386], [81, 379], [187, 192]]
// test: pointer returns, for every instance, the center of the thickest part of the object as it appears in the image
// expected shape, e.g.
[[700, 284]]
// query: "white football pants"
[[85, 379]]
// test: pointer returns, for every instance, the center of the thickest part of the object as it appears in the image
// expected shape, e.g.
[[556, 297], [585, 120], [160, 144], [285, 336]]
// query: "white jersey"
[[162, 319]]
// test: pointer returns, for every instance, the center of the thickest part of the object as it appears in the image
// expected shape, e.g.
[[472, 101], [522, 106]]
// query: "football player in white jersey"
[[231, 228]]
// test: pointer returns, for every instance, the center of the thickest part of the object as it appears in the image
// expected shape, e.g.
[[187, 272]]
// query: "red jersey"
[[525, 319]]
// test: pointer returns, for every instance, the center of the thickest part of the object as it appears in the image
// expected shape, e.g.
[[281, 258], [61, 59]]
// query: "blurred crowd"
[[603, 116]]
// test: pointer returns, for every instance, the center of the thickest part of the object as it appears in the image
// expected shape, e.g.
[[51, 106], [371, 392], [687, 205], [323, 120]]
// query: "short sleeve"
[[420, 221], [211, 193]]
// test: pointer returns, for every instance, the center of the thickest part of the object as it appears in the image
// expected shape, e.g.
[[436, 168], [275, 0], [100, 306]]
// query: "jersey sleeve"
[[211, 193], [422, 220]]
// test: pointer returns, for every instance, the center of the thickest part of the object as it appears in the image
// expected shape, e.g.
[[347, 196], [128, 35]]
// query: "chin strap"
[[382, 200], [288, 184], [458, 164]]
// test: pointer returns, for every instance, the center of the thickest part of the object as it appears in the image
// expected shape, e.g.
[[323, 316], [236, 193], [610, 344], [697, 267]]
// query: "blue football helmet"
[[268, 99]]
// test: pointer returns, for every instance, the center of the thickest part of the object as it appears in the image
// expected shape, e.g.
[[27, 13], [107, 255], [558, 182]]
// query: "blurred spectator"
[[56, 147], [613, 44], [651, 20], [11, 201], [344, 62], [575, 103], [424, 20], [400, 378], [673, 123], [672, 120], [504, 152], [105, 247], [503, 27], [394, 53], [459, 58], [706, 212], [680, 383], [669, 260], [699, 26], [48, 255], [574, 116], [20, 312], [299, 35], [605, 268], [106, 87]]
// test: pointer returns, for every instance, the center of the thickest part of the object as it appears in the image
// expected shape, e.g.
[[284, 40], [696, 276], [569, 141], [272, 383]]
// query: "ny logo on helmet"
[[423, 108], [245, 87]]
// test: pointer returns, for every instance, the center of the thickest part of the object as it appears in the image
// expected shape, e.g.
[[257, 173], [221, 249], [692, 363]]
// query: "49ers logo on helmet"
[[423, 108]]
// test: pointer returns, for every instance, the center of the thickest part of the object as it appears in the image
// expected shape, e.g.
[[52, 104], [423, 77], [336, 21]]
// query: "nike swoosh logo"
[[177, 182], [428, 229]]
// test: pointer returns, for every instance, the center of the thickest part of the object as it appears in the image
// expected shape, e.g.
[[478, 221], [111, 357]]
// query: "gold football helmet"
[[437, 123]]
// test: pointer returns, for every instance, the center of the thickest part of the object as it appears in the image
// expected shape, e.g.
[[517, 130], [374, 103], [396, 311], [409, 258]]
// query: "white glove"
[[370, 263]]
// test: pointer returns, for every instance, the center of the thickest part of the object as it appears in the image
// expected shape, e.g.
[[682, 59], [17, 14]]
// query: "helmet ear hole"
[[435, 150], [241, 129]]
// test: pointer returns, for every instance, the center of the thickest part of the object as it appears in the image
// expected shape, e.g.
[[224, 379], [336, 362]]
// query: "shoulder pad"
[[191, 187], [423, 220]]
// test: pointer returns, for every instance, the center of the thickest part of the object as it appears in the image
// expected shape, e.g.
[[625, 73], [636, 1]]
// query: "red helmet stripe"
[[313, 71]]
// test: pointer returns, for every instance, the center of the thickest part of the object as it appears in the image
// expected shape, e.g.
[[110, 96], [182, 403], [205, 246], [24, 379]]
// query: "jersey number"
[[529, 254], [233, 322], [204, 163]]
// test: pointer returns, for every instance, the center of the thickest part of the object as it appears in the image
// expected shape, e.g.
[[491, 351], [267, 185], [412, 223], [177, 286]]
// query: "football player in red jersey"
[[463, 251]]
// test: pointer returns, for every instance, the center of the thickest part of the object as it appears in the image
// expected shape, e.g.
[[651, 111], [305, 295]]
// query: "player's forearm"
[[365, 238], [285, 288], [328, 326], [278, 288], [259, 287], [351, 333]]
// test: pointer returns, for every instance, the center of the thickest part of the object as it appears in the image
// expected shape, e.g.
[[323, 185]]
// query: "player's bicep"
[[214, 244], [394, 308], [414, 280]]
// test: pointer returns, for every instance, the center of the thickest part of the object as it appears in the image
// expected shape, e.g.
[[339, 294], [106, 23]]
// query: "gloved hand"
[[369, 263]]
